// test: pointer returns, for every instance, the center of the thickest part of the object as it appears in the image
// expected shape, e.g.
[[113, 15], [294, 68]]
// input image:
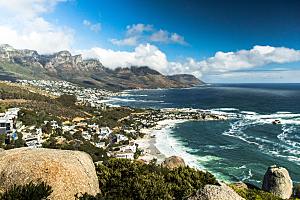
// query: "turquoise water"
[[241, 148]]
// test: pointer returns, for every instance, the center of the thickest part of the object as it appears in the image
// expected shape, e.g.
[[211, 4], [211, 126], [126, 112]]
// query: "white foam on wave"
[[168, 145], [116, 99], [226, 109]]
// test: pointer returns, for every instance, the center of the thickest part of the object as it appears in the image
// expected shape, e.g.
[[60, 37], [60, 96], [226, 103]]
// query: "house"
[[100, 144], [54, 124], [33, 141], [8, 120], [127, 155], [86, 135], [104, 132], [130, 147], [120, 138], [6, 125]]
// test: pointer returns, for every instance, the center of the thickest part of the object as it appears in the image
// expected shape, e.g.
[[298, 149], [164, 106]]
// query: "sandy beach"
[[152, 144]]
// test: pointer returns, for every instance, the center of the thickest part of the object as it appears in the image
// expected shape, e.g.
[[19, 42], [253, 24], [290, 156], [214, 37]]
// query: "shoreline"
[[162, 145]]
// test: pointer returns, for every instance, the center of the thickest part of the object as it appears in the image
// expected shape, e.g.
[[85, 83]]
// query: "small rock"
[[173, 162], [278, 182], [216, 192]]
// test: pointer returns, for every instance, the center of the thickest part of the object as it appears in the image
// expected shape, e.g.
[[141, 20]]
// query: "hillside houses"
[[92, 97], [8, 121]]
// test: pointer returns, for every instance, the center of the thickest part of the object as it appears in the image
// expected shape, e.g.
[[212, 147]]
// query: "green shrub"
[[255, 194], [29, 191], [124, 179]]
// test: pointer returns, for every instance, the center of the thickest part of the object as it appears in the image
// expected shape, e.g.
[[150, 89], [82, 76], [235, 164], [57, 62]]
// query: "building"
[[127, 155], [8, 121]]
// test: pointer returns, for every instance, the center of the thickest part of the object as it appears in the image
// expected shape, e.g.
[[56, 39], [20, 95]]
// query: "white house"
[[121, 137], [100, 144], [126, 155], [104, 132], [86, 135], [130, 147], [33, 141]]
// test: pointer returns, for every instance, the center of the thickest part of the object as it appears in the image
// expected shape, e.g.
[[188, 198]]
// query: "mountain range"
[[29, 64]]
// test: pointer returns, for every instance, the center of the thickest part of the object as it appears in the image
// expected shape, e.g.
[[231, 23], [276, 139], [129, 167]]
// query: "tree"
[[67, 100]]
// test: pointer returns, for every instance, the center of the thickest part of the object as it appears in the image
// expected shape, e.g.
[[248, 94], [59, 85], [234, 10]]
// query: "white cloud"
[[144, 54], [178, 39], [24, 27], [130, 41], [245, 59], [27, 8], [221, 64], [138, 33], [93, 27], [136, 29], [160, 36], [166, 37]]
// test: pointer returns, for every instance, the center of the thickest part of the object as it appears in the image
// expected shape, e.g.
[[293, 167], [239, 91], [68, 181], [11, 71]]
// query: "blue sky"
[[257, 41]]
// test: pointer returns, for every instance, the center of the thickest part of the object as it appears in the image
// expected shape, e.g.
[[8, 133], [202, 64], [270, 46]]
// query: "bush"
[[29, 191], [124, 179], [67, 100], [255, 194]]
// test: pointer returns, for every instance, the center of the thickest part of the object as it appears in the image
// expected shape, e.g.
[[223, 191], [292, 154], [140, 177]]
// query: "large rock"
[[67, 172], [278, 182], [173, 162], [216, 192]]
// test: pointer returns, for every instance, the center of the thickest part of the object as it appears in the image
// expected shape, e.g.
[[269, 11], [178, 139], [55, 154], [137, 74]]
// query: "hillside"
[[28, 64]]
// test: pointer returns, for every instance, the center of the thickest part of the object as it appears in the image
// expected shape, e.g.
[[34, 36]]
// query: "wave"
[[226, 109], [168, 145], [115, 99]]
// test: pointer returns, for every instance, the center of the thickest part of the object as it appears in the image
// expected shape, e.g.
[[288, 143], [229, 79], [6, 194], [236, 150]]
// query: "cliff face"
[[28, 64]]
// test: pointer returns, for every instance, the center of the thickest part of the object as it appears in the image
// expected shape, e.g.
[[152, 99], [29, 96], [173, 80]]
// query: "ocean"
[[240, 149]]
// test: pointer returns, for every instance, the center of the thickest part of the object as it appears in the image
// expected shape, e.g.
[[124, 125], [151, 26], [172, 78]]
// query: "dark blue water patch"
[[233, 158], [262, 98], [243, 148]]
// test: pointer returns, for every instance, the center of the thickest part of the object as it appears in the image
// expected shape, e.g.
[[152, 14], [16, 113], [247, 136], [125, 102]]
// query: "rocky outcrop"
[[67, 172], [216, 192], [173, 162], [186, 79], [90, 72], [278, 182]]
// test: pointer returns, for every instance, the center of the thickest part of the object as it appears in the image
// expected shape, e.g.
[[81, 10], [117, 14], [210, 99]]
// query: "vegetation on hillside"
[[124, 179], [29, 191], [254, 194]]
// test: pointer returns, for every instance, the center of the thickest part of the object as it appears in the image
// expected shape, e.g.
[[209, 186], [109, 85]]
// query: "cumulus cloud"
[[138, 33], [143, 54], [244, 59], [24, 27], [96, 27], [220, 63], [27, 8]]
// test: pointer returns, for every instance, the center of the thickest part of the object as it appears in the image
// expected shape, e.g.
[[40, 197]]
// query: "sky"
[[218, 41]]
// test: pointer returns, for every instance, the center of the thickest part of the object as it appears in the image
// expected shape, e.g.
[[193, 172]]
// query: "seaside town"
[[133, 139]]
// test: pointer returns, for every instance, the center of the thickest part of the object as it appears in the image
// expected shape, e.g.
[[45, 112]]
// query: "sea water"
[[239, 149]]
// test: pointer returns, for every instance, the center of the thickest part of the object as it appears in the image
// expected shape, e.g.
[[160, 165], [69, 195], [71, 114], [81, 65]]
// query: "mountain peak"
[[62, 65], [6, 47]]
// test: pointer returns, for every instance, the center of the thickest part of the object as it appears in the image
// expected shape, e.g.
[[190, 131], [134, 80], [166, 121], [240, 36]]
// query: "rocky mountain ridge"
[[28, 64]]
